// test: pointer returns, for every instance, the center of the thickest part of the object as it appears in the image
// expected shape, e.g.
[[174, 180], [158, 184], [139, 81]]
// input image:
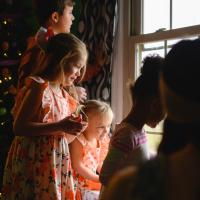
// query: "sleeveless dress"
[[39, 167], [92, 158]]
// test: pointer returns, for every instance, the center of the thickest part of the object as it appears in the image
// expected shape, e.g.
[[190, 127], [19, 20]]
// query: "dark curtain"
[[96, 29]]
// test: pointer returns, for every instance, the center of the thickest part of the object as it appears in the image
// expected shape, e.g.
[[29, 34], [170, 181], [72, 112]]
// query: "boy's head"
[[55, 13]]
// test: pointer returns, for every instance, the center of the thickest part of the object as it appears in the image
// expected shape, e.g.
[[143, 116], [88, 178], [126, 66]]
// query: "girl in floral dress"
[[89, 149], [38, 164]]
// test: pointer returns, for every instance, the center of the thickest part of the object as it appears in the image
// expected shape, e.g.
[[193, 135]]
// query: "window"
[[169, 14], [156, 15], [156, 25]]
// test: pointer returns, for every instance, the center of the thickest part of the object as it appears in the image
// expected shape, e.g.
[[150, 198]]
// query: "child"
[[88, 150], [38, 164], [128, 144], [54, 17], [174, 174]]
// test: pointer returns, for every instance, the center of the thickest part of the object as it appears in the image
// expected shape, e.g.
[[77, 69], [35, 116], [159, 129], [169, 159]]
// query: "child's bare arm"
[[76, 152], [26, 124]]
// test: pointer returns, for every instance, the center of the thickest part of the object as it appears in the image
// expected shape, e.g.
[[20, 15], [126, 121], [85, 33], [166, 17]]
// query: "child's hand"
[[82, 94], [73, 125], [78, 118], [80, 114]]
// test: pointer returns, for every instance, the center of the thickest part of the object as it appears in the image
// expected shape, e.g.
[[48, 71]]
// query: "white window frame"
[[128, 39], [136, 38]]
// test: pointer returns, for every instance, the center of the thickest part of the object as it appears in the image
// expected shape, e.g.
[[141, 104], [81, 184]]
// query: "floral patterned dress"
[[92, 158], [39, 167]]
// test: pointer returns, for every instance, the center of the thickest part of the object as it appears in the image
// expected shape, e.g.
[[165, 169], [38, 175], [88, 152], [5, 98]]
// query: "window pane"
[[153, 48], [157, 129], [156, 15], [146, 49], [185, 13]]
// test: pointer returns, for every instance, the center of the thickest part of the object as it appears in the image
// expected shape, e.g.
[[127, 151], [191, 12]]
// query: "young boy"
[[54, 17]]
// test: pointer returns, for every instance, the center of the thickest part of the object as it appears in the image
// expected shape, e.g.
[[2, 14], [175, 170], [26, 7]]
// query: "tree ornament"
[[5, 46]]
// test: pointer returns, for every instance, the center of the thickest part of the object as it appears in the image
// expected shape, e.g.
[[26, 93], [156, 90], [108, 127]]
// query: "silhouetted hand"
[[73, 125]]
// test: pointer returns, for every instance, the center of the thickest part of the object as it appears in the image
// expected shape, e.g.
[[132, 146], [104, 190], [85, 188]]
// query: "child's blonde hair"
[[62, 50], [97, 106]]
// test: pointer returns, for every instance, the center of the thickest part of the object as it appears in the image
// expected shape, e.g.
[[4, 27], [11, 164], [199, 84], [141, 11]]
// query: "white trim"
[[166, 35], [121, 70], [117, 70]]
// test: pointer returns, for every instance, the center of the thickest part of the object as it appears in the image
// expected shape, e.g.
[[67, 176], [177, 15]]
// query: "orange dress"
[[92, 158], [39, 167]]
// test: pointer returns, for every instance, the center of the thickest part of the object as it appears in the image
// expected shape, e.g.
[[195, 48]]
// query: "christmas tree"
[[17, 23]]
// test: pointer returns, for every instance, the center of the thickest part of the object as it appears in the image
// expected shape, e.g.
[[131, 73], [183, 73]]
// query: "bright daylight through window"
[[161, 24]]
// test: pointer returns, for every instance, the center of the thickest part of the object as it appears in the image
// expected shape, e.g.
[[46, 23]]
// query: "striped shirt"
[[128, 146]]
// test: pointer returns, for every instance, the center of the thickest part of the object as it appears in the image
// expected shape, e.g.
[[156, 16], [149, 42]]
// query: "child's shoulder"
[[124, 134], [81, 138], [36, 84], [36, 81], [125, 128]]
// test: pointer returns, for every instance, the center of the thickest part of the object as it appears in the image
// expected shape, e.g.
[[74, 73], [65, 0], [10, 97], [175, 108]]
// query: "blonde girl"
[[89, 149], [38, 164]]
